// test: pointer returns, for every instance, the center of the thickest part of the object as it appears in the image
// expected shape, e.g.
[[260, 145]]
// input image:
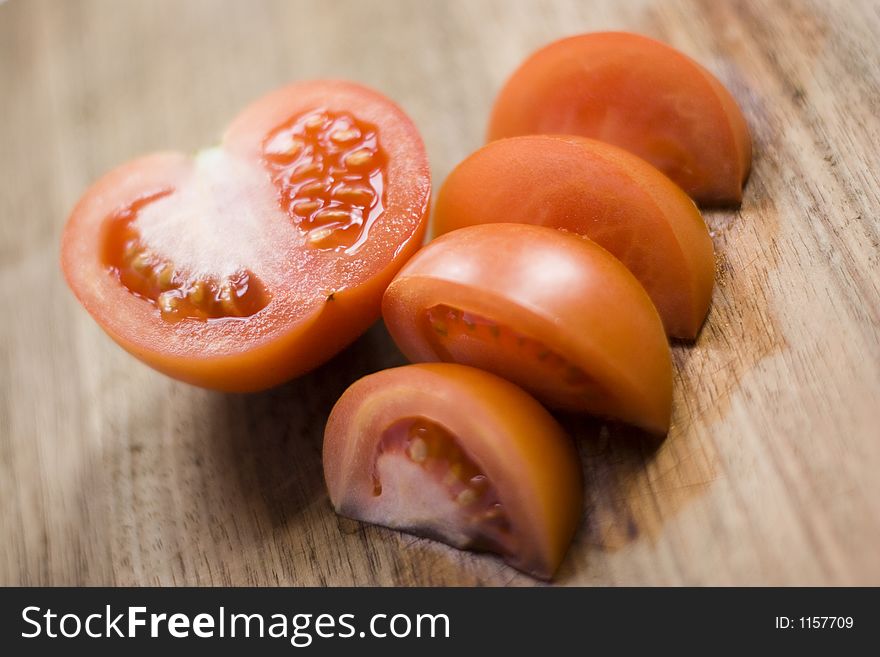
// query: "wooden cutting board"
[[113, 474]]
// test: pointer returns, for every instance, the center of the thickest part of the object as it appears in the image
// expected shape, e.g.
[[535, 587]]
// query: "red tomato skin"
[[639, 94], [599, 191]]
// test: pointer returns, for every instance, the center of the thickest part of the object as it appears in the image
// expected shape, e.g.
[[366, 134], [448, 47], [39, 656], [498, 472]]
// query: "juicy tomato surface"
[[258, 259], [639, 94], [602, 192], [553, 312], [458, 455]]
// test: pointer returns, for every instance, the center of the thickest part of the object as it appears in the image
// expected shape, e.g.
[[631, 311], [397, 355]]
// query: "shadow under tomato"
[[273, 438], [633, 481]]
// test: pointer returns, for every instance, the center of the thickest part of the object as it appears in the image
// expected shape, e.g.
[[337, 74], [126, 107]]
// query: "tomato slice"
[[458, 455], [639, 94], [597, 190], [258, 259], [553, 312]]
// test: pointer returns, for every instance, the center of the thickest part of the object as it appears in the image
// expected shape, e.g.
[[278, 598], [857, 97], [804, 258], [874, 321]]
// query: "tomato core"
[[330, 172], [151, 276]]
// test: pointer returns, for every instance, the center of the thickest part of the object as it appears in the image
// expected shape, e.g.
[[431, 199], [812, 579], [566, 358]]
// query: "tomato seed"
[[418, 450], [307, 208], [345, 136], [168, 302], [359, 158]]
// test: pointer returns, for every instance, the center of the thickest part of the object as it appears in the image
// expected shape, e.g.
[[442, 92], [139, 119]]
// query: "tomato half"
[[605, 193], [256, 260], [639, 94], [459, 455], [553, 312]]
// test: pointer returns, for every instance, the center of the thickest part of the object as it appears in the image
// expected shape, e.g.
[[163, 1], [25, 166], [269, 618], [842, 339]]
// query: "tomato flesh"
[[258, 259], [458, 455], [429, 485], [329, 172], [464, 337]]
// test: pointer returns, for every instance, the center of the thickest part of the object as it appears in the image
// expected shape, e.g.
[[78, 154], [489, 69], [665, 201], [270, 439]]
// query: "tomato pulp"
[[258, 259], [459, 455]]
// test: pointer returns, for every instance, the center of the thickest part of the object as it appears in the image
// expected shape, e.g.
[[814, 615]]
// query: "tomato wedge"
[[639, 94], [258, 259], [553, 312], [602, 192], [458, 455]]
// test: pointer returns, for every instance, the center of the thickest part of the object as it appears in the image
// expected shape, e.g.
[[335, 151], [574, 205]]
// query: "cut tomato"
[[597, 190], [256, 260], [553, 312], [459, 455], [639, 94]]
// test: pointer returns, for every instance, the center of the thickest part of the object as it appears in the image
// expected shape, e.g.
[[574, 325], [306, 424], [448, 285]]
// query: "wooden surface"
[[113, 474]]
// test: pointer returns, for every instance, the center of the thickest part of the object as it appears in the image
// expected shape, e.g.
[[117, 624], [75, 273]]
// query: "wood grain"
[[112, 474]]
